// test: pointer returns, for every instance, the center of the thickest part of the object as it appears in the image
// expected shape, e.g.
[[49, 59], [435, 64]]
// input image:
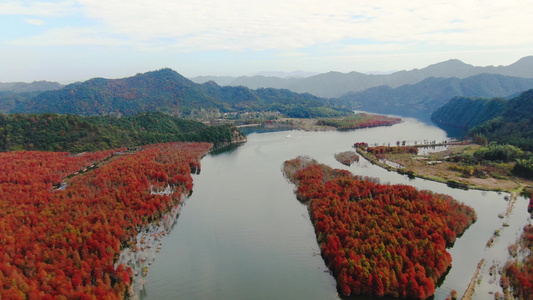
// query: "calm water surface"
[[243, 235]]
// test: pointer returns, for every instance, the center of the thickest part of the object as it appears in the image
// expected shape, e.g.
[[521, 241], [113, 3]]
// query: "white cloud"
[[36, 22], [236, 25], [281, 24]]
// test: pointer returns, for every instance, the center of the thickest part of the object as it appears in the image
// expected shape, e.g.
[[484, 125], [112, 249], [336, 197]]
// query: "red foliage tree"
[[62, 241], [517, 273], [379, 239]]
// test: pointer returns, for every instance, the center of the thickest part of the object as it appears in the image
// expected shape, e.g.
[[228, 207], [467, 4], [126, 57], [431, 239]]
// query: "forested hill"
[[433, 93], [167, 91], [73, 133], [467, 112], [506, 122]]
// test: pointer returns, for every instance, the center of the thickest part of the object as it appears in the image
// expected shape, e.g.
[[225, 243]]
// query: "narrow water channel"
[[243, 235]]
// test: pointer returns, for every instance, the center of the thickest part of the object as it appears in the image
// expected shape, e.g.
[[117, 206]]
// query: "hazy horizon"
[[280, 74], [75, 40]]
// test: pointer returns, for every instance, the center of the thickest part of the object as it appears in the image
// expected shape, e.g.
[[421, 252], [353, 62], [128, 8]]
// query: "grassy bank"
[[440, 166]]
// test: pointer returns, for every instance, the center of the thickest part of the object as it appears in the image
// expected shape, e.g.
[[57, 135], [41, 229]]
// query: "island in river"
[[378, 239]]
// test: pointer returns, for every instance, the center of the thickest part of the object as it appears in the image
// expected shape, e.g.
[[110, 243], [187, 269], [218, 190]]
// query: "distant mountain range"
[[227, 80], [167, 91], [336, 84], [432, 93], [23, 87], [297, 74], [418, 90], [220, 80]]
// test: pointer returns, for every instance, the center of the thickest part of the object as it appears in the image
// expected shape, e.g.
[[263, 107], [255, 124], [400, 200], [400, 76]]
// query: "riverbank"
[[140, 255], [215, 250], [433, 163]]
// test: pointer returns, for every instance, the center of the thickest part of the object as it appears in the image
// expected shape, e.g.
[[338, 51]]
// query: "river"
[[243, 235]]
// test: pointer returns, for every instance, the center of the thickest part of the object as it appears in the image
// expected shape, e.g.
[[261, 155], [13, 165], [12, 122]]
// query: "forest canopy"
[[378, 239], [54, 132], [497, 120], [63, 243], [167, 91]]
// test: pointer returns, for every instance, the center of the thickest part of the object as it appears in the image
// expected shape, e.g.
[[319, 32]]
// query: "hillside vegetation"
[[497, 120], [53, 132], [14, 93], [467, 112], [167, 91], [10, 100]]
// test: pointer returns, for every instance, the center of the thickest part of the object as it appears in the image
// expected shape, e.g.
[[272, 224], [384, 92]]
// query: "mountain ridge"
[[167, 91], [24, 87], [335, 84], [433, 93]]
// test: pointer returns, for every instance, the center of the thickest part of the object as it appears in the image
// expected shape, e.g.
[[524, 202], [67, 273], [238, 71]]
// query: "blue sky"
[[75, 40]]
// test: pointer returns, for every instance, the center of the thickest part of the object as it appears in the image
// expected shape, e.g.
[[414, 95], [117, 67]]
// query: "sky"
[[75, 40]]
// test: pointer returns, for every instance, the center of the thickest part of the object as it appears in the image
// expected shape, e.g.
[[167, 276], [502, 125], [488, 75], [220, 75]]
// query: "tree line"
[[72, 133]]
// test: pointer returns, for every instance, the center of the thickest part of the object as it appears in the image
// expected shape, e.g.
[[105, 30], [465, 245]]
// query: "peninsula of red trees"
[[63, 242], [378, 239]]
